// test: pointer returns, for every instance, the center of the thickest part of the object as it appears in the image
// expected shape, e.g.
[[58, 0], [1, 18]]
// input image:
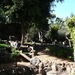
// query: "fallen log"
[[25, 56]]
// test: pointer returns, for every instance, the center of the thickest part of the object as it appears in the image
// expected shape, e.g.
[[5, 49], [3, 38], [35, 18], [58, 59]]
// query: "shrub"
[[62, 52]]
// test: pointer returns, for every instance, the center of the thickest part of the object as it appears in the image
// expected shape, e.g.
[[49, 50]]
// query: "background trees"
[[27, 13], [2, 16], [33, 16], [70, 22], [56, 30]]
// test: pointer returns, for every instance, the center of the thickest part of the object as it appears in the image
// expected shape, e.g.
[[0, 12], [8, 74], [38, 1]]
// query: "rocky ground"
[[43, 56]]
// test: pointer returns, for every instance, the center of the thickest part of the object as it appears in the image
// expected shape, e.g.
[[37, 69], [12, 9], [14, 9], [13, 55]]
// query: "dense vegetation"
[[33, 17], [60, 52], [27, 13]]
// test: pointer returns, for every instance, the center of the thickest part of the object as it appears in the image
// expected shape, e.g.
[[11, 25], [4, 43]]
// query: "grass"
[[25, 52], [3, 45]]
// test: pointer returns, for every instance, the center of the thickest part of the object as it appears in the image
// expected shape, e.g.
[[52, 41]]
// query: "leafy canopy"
[[70, 22], [32, 11]]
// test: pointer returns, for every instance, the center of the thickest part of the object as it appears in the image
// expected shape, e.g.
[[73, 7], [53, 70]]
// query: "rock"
[[35, 61], [54, 67], [33, 53], [68, 68], [41, 69]]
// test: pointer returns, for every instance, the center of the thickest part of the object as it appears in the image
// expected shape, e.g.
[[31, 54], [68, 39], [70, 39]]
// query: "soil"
[[42, 55]]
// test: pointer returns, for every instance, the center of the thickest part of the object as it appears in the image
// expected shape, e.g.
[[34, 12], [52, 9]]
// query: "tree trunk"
[[69, 41], [74, 55], [25, 56], [40, 36], [22, 32]]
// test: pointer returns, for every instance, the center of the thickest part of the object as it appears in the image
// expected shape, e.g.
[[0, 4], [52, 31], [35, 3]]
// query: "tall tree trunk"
[[74, 51], [69, 41], [74, 55], [22, 32], [40, 36]]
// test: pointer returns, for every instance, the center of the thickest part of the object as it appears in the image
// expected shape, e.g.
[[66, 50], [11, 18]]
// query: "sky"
[[64, 9]]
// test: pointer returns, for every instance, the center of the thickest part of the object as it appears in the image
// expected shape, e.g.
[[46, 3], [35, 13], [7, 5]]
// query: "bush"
[[4, 56], [14, 53], [62, 52]]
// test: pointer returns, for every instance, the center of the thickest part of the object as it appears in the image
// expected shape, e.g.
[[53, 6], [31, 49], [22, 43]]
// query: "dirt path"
[[44, 56]]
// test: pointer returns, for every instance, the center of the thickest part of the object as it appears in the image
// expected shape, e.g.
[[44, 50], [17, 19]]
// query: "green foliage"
[[62, 31], [52, 32], [3, 45], [70, 23], [56, 29], [32, 11], [32, 31], [61, 52], [2, 16], [27, 13], [14, 53], [4, 56], [25, 52]]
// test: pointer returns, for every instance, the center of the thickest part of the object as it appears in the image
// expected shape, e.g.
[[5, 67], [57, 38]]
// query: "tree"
[[54, 28], [70, 23], [32, 32], [2, 16], [52, 32], [27, 13]]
